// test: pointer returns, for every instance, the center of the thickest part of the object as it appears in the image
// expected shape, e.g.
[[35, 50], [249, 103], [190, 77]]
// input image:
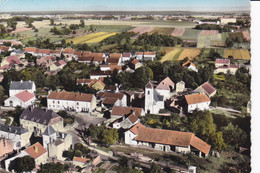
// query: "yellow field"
[[191, 53], [237, 53], [100, 38], [90, 38], [171, 54]]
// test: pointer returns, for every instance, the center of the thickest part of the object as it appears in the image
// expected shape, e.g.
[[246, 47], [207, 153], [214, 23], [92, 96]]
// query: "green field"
[[162, 30], [191, 34], [172, 55], [109, 28], [204, 41]]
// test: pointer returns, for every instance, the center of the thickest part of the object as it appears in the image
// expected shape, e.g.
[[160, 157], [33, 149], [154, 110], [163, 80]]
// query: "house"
[[36, 151], [11, 61], [77, 54], [190, 66], [93, 83], [43, 52], [98, 58], [139, 56], [46, 61], [231, 69], [36, 120], [57, 66], [84, 81], [4, 49], [20, 136], [115, 59], [222, 62], [166, 140], [127, 121], [111, 68], [68, 54], [100, 74], [180, 87], [110, 99], [22, 99], [149, 56], [85, 59], [199, 101], [31, 50], [126, 57], [135, 64], [120, 111], [156, 93], [78, 102], [56, 142], [206, 88], [19, 86], [225, 21], [6, 146], [81, 162], [56, 53]]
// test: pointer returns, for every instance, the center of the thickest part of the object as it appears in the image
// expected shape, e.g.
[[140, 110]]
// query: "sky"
[[123, 5]]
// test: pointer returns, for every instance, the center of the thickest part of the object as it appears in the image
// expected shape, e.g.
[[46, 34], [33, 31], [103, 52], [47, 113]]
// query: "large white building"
[[197, 101], [78, 102], [19, 86], [156, 94], [166, 140], [22, 99]]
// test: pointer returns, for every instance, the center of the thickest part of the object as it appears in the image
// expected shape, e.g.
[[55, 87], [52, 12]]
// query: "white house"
[[78, 102], [126, 57], [190, 66], [22, 99], [156, 94], [19, 86], [197, 101], [100, 74], [31, 50], [36, 151], [56, 142], [166, 140], [139, 56], [110, 99], [222, 62], [149, 56], [232, 69], [20, 136]]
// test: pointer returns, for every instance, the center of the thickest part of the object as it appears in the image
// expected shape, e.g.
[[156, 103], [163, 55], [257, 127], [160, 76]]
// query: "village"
[[94, 111]]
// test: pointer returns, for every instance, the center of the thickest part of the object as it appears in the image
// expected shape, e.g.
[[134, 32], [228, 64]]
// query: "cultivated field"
[[172, 54], [209, 32], [178, 32], [191, 34], [141, 30], [167, 31], [234, 35], [21, 29], [190, 53], [246, 35], [109, 28], [90, 38], [215, 40], [237, 54]]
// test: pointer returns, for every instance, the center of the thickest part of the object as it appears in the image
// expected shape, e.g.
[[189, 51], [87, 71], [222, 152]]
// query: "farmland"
[[209, 32], [191, 34], [21, 29], [162, 30], [109, 28], [141, 30], [214, 40], [246, 35], [90, 38], [237, 54], [178, 32], [191, 53], [172, 54]]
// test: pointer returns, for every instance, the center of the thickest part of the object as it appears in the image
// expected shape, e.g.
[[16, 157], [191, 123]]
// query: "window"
[[58, 102], [77, 103], [53, 102], [148, 92]]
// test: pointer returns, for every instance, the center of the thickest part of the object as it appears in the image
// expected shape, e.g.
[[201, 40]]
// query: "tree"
[[52, 22], [11, 23], [217, 141], [155, 168], [2, 30], [54, 168], [110, 136], [2, 95], [141, 77], [22, 164], [82, 23], [29, 22]]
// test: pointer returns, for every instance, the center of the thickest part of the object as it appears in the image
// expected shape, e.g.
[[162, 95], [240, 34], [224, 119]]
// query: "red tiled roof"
[[25, 96], [122, 111], [112, 95], [115, 55], [208, 88], [139, 53], [133, 118], [110, 100], [36, 150], [86, 53], [222, 61], [4, 48], [47, 58], [59, 63], [78, 53], [13, 60], [100, 73], [55, 51], [84, 81], [187, 64], [70, 96], [149, 53], [113, 60], [126, 55], [196, 98], [68, 51], [30, 49], [165, 84], [134, 61], [80, 159], [44, 51], [85, 58], [169, 137]]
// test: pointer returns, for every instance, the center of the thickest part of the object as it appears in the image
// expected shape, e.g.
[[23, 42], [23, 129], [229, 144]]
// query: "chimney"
[[35, 149], [117, 89]]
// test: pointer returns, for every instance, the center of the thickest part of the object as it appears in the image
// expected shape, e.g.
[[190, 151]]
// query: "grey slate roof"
[[38, 115], [21, 85], [12, 129], [49, 131]]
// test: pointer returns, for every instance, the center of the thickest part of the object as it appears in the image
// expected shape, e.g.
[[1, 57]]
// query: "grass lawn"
[[223, 112], [99, 170]]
